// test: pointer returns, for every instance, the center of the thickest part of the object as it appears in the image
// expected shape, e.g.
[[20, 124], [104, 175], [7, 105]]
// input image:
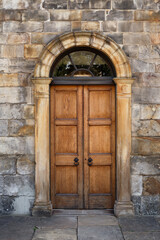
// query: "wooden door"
[[83, 127], [66, 146]]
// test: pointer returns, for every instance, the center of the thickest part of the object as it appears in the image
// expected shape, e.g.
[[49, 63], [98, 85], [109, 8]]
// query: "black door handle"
[[90, 161], [76, 161]]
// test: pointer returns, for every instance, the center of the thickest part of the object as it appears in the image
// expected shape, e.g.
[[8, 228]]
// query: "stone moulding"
[[123, 80]]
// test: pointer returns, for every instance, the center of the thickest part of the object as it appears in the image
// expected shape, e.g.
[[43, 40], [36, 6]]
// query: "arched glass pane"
[[100, 68], [64, 67], [82, 59]]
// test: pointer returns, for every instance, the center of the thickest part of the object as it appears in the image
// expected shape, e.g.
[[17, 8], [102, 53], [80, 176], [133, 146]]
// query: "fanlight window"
[[82, 63]]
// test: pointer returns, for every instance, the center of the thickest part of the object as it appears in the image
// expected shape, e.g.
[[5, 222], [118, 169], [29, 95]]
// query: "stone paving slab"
[[99, 233], [81, 212], [94, 220], [139, 224], [141, 236], [56, 234]]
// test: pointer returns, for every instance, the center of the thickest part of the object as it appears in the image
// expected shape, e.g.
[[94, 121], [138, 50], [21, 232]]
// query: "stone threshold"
[[83, 212]]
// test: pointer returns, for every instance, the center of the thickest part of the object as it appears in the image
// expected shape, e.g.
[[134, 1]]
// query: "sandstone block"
[[57, 26], [150, 111], [137, 204], [155, 38], [10, 15], [6, 204], [1, 184], [22, 27], [136, 185], [150, 95], [147, 15], [145, 165], [137, 38], [149, 128], [57, 4], [90, 26], [17, 95], [117, 15], [17, 145], [29, 112], [35, 15], [8, 80], [101, 4], [151, 79], [23, 205], [151, 185], [136, 95], [32, 51], [4, 64], [109, 26], [65, 15], [147, 52], [145, 145], [150, 205], [158, 68], [3, 38], [153, 27], [42, 38], [14, 127], [11, 111], [136, 111], [19, 185], [17, 4], [3, 128], [93, 15], [147, 4], [7, 165], [25, 165], [76, 26], [117, 37], [74, 4], [18, 38], [123, 4], [1, 26], [17, 64], [141, 66], [130, 27], [131, 50], [12, 51]]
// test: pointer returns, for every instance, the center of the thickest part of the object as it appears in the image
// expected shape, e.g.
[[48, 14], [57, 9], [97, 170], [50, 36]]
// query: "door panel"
[[83, 127], [66, 145], [99, 145]]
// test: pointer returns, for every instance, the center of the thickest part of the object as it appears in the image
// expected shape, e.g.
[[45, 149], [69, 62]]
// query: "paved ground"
[[80, 225]]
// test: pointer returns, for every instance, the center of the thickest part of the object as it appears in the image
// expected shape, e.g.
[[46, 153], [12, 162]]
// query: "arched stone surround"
[[123, 80]]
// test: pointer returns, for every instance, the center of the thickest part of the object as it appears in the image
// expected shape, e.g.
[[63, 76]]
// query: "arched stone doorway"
[[123, 80]]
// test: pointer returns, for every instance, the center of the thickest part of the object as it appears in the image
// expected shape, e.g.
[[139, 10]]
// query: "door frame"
[[123, 81]]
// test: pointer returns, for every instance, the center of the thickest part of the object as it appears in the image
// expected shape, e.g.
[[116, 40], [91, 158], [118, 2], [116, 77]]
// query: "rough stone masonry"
[[26, 26]]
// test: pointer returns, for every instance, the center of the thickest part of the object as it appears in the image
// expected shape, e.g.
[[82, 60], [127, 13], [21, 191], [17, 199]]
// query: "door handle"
[[76, 161], [90, 161]]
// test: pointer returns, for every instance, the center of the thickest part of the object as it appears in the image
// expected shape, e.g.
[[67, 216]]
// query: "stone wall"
[[26, 26]]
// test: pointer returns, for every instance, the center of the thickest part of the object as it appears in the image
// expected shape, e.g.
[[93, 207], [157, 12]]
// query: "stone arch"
[[42, 80], [85, 39]]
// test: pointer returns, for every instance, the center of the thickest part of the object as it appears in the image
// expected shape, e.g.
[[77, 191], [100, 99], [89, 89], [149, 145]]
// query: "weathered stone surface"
[[32, 51], [116, 15], [150, 95], [18, 38], [10, 15], [150, 205], [117, 37], [35, 15], [131, 50], [145, 165], [57, 4], [136, 185], [95, 220], [123, 4], [151, 79], [158, 68], [19, 128], [153, 27], [147, 16], [149, 128], [7, 164], [4, 65], [22, 27], [19, 185], [93, 15], [12, 51], [1, 26], [147, 52], [65, 15], [42, 38], [21, 4], [3, 38], [11, 111], [29, 112], [136, 94], [104, 4], [90, 26], [23, 205], [145, 145], [3, 128], [76, 26], [137, 38], [109, 26], [142, 66], [16, 65], [130, 27], [141, 235], [74, 4], [147, 4], [137, 204], [25, 165], [17, 95], [6, 204], [1, 184], [151, 185], [57, 26], [17, 145], [68, 234], [155, 38], [150, 111], [10, 80]]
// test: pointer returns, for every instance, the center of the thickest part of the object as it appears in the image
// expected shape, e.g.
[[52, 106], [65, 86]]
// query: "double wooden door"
[[83, 146]]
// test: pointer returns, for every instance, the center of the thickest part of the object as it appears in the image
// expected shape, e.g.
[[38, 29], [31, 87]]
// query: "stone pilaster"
[[123, 205], [42, 205]]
